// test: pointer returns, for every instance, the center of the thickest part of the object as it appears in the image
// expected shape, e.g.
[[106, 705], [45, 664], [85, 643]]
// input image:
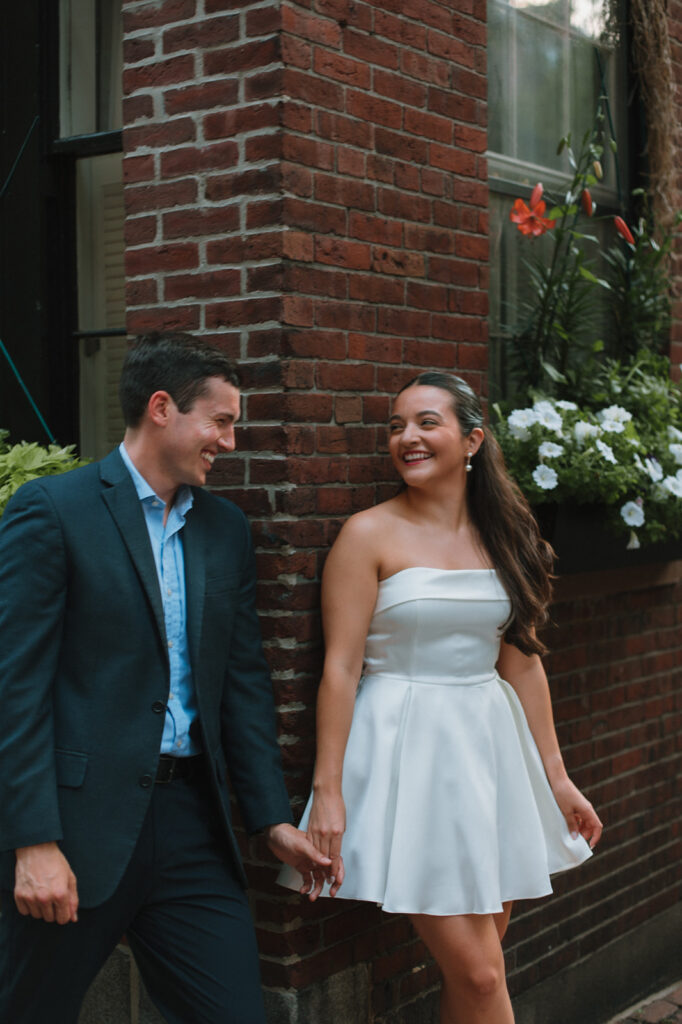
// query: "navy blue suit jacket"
[[84, 669]]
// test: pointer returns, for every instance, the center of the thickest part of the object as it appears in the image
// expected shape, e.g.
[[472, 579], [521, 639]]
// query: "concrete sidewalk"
[[662, 1008]]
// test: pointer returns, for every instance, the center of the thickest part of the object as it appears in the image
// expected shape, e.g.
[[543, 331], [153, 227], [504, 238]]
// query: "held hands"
[[326, 826], [292, 847], [580, 815], [45, 885]]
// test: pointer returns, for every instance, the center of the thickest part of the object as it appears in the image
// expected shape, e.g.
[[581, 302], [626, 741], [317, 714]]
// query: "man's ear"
[[159, 407]]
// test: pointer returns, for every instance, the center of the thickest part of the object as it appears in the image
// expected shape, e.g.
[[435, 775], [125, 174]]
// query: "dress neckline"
[[430, 568]]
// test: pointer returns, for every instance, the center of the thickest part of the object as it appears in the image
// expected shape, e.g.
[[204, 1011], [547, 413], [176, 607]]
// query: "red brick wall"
[[616, 677], [306, 184]]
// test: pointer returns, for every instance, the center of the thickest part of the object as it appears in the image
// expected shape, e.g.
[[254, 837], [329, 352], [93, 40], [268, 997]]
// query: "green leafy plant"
[[621, 450], [554, 332], [639, 305], [28, 460]]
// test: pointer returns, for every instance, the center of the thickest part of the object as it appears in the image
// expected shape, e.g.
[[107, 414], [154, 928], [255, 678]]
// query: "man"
[[132, 684]]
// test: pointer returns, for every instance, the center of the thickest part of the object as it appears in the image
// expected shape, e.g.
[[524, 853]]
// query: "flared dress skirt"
[[448, 806]]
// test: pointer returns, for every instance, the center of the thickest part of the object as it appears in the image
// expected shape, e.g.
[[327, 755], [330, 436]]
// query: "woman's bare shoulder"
[[370, 524]]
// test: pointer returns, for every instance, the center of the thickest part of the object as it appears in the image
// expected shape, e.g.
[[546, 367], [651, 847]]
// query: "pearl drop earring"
[[468, 466]]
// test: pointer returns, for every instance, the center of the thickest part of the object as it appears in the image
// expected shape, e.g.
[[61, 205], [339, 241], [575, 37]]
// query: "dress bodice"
[[437, 625]]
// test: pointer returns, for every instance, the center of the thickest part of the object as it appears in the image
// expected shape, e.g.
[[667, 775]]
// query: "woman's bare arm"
[[349, 591]]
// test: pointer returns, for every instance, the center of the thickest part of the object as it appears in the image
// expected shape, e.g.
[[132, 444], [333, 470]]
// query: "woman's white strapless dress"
[[448, 807]]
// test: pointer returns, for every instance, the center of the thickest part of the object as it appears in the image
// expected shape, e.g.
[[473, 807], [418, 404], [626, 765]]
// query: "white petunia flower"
[[615, 412], [673, 433], [632, 513], [606, 451], [548, 416], [519, 421], [549, 450], [545, 478], [612, 426], [653, 468], [568, 406], [676, 452], [673, 485], [584, 430], [633, 542]]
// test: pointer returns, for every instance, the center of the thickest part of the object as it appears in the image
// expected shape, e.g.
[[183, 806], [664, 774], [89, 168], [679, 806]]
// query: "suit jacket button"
[[146, 781], [158, 706]]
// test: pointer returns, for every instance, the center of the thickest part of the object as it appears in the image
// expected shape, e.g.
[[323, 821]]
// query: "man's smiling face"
[[193, 439]]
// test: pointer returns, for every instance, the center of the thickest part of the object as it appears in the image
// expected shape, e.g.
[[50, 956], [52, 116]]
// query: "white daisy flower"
[[584, 430], [606, 451], [549, 450], [545, 478], [615, 412], [519, 421], [632, 513], [676, 452]]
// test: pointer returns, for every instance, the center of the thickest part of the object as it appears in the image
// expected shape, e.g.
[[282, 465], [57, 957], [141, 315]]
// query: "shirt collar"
[[183, 498]]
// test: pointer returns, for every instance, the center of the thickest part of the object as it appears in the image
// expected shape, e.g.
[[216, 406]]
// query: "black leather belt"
[[170, 767]]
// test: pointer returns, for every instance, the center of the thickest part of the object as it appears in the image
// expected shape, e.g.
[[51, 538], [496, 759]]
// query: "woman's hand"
[[326, 826], [579, 813]]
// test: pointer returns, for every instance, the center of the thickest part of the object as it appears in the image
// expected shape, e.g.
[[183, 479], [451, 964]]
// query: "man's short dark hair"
[[174, 362]]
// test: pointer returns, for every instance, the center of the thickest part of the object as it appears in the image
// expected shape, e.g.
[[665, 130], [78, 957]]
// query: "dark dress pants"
[[185, 915]]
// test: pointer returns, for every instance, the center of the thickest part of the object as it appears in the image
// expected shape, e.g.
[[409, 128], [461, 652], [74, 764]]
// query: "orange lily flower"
[[536, 195], [529, 219], [622, 229]]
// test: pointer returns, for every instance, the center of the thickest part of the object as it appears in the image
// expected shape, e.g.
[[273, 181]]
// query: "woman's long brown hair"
[[503, 519]]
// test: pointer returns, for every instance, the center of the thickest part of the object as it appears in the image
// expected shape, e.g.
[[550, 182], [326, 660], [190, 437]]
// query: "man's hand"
[[291, 846], [45, 885]]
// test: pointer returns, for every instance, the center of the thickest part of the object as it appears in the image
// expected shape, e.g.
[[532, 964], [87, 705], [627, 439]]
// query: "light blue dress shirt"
[[169, 557]]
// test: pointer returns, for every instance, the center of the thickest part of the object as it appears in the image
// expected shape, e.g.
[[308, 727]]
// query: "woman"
[[439, 789]]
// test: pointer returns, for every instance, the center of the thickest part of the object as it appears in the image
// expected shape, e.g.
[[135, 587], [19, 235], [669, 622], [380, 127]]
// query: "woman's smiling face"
[[425, 439]]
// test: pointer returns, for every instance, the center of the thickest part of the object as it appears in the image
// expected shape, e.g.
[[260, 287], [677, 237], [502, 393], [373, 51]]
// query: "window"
[[90, 118], [549, 63]]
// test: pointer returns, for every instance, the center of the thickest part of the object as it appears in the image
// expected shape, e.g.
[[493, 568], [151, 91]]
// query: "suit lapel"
[[121, 498], [194, 544]]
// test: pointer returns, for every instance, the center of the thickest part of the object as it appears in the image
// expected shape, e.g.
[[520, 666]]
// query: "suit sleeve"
[[32, 599], [248, 719]]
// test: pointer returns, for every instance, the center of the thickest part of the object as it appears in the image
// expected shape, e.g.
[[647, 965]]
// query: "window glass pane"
[[540, 73], [110, 65], [590, 17], [91, 66], [549, 64], [500, 80], [549, 10], [101, 300]]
